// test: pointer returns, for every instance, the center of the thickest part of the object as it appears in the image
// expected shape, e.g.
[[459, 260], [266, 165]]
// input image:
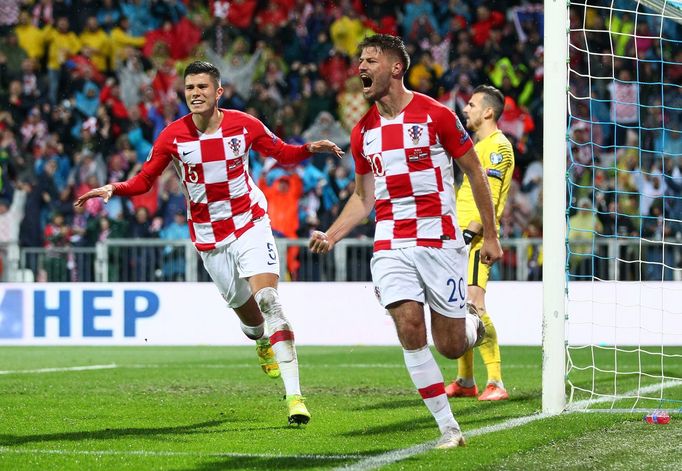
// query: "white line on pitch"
[[22, 451], [394, 456], [584, 404], [57, 370]]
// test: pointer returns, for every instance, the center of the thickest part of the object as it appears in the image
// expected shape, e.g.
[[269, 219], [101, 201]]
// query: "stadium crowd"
[[86, 86], [625, 142]]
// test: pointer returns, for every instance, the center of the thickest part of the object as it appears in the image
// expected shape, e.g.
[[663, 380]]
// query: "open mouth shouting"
[[366, 82]]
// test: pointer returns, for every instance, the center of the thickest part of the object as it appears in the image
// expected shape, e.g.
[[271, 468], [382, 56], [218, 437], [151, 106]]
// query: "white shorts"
[[428, 275], [251, 254]]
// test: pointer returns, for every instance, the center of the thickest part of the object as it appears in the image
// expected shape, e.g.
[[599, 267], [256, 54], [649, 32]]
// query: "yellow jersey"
[[497, 159]]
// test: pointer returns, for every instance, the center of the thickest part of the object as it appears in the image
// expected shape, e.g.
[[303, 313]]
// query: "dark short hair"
[[203, 67], [493, 98], [387, 43]]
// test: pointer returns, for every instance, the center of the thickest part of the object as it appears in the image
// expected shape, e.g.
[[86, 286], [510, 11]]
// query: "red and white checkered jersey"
[[411, 159], [223, 200]]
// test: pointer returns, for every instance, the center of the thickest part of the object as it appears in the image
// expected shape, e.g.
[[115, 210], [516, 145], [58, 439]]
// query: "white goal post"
[[554, 204]]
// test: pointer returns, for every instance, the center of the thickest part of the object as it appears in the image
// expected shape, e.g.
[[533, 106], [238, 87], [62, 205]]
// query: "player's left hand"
[[491, 251], [324, 146]]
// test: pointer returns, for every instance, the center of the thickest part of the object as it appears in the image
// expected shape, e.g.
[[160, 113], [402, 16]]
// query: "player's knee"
[[267, 299], [451, 350], [271, 307]]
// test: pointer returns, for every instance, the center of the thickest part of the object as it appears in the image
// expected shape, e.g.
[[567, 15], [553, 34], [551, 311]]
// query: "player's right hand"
[[324, 146], [105, 192], [491, 251], [320, 243]]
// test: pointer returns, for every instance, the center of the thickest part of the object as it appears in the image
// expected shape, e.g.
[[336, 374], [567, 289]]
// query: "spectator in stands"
[[31, 38], [108, 15], [173, 259], [352, 103], [11, 214], [582, 228], [57, 236], [283, 196], [12, 56], [624, 105], [142, 261], [321, 99], [97, 41], [121, 39], [171, 198], [348, 30], [425, 74], [484, 45], [62, 44], [326, 127]]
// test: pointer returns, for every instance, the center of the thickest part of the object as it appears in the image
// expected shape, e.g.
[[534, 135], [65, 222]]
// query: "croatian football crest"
[[415, 133], [235, 144]]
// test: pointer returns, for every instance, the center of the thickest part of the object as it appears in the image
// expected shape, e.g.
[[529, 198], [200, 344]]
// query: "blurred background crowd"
[[87, 85]]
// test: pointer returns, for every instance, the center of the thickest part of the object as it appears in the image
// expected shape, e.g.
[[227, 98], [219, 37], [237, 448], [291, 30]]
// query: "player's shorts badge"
[[415, 133]]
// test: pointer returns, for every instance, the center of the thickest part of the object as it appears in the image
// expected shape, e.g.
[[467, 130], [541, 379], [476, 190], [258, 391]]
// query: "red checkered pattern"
[[410, 157], [223, 200]]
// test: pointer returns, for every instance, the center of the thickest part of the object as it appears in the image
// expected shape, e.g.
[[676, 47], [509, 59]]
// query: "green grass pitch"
[[205, 408]]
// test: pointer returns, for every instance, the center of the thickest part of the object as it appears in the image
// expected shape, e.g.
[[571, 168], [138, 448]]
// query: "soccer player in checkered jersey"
[[497, 159], [227, 214], [403, 149]]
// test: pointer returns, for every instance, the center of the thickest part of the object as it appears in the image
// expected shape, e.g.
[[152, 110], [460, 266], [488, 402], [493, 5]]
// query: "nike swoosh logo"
[[184, 154], [271, 263], [369, 142]]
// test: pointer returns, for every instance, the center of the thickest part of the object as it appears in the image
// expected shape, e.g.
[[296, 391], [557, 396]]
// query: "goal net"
[[623, 264]]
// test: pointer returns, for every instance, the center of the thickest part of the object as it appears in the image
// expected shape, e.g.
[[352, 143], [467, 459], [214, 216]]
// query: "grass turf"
[[212, 408]]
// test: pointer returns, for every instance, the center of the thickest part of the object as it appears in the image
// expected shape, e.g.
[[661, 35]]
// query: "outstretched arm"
[[469, 163], [357, 208], [265, 142], [140, 183]]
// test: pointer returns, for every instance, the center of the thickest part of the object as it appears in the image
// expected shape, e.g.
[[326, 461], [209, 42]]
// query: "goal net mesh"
[[624, 205]]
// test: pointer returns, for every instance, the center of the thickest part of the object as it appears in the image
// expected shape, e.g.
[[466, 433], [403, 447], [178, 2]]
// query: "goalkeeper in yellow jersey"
[[497, 159]]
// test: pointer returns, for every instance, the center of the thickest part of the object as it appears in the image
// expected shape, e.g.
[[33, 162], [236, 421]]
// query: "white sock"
[[428, 380], [471, 329], [281, 338], [254, 332]]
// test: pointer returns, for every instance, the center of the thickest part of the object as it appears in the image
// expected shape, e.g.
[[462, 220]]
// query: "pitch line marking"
[[21, 451], [58, 370], [585, 403], [394, 456]]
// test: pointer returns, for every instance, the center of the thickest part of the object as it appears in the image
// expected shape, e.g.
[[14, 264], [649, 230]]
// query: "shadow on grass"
[[110, 433], [418, 423], [458, 405], [389, 405], [320, 461]]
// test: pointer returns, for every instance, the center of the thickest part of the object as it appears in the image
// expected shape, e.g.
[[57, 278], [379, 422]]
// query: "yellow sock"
[[465, 366], [490, 350]]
